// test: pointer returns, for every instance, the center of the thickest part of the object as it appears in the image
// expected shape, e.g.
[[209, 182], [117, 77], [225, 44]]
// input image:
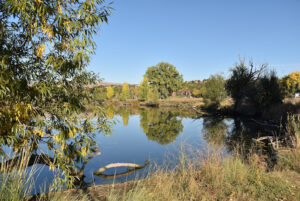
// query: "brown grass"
[[214, 178]]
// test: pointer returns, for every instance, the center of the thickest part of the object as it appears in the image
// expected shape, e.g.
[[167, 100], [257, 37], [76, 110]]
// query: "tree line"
[[255, 85]]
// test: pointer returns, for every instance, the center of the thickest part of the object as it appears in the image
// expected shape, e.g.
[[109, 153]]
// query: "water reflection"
[[162, 127], [124, 112], [214, 131]]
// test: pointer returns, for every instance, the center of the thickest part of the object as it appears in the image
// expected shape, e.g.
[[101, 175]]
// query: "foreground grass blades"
[[215, 179]]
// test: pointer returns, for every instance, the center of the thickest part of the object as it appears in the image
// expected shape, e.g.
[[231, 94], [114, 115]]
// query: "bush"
[[214, 90]]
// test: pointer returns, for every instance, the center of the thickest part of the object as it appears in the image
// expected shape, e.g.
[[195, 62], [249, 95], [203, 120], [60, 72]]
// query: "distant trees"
[[125, 92], [109, 92], [165, 78], [213, 89], [290, 84], [196, 93], [99, 94], [143, 89]]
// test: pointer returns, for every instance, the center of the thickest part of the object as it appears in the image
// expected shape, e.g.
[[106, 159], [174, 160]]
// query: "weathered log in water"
[[115, 165]]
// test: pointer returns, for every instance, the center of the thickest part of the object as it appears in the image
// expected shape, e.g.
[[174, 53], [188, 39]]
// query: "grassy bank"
[[212, 177], [172, 102], [216, 178], [206, 178]]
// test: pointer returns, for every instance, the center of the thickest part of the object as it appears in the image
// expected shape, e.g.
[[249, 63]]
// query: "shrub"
[[214, 89]]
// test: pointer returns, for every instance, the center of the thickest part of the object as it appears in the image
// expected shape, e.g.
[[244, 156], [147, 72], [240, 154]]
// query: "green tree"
[[109, 92], [45, 48], [143, 89], [165, 78], [99, 93], [214, 89], [153, 96], [125, 92]]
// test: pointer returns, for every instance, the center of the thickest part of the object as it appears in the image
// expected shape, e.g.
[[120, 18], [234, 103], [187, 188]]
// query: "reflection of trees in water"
[[124, 113], [162, 127], [110, 111], [238, 139], [241, 134], [214, 131]]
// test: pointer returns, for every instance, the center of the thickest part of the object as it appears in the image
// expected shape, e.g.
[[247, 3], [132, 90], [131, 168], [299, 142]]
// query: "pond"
[[158, 135]]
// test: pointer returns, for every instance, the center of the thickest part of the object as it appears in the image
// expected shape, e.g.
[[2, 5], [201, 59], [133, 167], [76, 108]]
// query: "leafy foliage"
[[290, 84], [45, 48], [213, 89], [109, 92], [153, 96], [165, 78], [125, 92], [196, 93], [143, 89]]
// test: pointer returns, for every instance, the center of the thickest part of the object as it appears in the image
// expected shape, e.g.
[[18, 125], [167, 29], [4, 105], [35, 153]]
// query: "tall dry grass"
[[16, 183], [212, 178]]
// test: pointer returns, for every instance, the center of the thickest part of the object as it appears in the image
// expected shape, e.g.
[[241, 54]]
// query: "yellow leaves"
[[20, 112], [51, 166], [40, 51], [56, 138], [293, 80], [93, 3], [39, 132], [49, 31], [66, 24], [64, 46], [62, 147], [72, 132], [83, 151], [59, 9], [110, 92]]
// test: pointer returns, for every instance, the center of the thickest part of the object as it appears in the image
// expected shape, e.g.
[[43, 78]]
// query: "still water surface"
[[153, 134]]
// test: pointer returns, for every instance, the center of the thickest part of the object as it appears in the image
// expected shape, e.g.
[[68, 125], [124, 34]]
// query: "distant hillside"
[[105, 84]]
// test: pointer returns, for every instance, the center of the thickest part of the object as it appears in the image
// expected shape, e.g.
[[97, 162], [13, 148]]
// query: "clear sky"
[[199, 37]]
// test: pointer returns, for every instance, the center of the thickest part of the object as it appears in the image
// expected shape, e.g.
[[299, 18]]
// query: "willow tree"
[[45, 48]]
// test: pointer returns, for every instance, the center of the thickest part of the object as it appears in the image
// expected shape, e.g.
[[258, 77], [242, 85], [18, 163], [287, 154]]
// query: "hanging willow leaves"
[[45, 48]]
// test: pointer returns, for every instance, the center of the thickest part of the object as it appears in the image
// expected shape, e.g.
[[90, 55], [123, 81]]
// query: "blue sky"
[[199, 37]]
